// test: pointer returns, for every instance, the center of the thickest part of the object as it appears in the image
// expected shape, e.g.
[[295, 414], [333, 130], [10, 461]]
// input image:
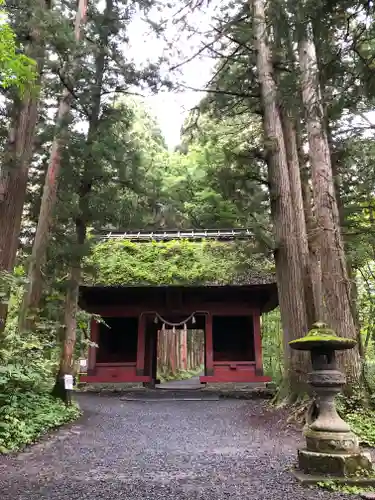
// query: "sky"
[[170, 107]]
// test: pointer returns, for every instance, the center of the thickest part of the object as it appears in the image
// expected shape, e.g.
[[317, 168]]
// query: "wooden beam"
[[209, 346], [192, 234], [94, 337], [257, 344], [141, 345]]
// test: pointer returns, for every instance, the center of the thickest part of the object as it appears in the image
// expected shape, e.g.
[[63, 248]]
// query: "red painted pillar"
[[209, 346], [257, 344], [94, 337], [140, 367]]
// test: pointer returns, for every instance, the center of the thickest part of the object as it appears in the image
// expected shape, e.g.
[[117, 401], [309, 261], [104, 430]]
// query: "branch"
[[121, 90], [66, 84], [221, 92]]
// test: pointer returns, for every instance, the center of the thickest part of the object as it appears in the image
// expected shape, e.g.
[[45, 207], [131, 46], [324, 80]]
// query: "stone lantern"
[[332, 449]]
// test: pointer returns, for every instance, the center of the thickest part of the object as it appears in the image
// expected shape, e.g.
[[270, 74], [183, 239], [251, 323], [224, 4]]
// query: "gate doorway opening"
[[177, 344]]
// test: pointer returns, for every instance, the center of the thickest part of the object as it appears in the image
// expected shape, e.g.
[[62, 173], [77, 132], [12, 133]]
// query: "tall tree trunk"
[[86, 182], [172, 352], [335, 282], [288, 270], [168, 365], [70, 322], [165, 351], [15, 169], [291, 121], [70, 327], [178, 350], [184, 350], [327, 97], [34, 288], [189, 349], [311, 228], [290, 138]]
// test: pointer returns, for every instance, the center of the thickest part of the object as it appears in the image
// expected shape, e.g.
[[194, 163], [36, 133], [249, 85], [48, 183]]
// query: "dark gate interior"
[[233, 338], [118, 340]]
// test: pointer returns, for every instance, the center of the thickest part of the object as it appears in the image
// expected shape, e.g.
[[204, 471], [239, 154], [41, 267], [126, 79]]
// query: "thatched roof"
[[177, 263]]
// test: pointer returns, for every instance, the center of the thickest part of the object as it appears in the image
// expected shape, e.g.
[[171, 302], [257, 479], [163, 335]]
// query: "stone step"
[[170, 395]]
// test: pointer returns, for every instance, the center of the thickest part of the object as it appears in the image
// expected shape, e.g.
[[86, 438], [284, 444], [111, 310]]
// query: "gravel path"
[[182, 450]]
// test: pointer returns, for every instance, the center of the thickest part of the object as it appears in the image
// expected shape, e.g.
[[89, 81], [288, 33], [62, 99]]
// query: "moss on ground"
[[179, 375], [332, 485]]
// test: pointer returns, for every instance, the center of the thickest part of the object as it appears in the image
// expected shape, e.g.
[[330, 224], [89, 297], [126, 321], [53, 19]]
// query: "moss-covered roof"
[[184, 263], [322, 337]]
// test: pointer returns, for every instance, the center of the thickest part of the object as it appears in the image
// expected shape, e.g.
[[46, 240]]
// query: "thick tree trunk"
[[288, 270], [300, 188], [290, 138], [313, 244], [172, 353], [13, 191], [15, 169], [335, 282], [184, 350], [168, 364], [70, 322], [165, 350], [189, 349], [85, 186], [34, 288]]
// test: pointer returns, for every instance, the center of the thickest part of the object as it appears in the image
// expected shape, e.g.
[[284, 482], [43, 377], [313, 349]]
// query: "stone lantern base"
[[334, 456], [334, 464], [332, 450]]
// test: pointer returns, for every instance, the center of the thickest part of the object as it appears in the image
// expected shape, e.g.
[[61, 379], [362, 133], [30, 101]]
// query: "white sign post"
[[68, 384], [83, 365]]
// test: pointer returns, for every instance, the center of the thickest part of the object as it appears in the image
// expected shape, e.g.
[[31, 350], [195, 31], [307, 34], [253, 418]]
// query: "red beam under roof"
[[265, 295]]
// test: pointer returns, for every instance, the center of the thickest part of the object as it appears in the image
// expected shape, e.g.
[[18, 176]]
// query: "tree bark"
[[290, 138], [34, 288], [284, 43], [14, 172], [70, 327], [86, 181], [313, 244], [288, 270], [335, 282]]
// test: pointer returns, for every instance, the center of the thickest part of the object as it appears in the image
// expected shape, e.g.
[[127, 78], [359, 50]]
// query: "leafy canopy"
[[15, 68]]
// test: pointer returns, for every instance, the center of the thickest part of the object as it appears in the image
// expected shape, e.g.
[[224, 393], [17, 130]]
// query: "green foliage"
[[179, 375], [332, 485], [178, 262], [272, 345], [218, 182], [360, 416], [28, 361], [27, 367], [16, 69], [363, 424], [25, 416]]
